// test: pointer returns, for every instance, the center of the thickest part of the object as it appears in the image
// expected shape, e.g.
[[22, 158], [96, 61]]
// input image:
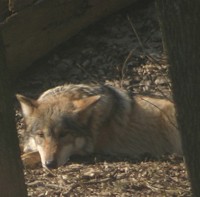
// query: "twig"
[[87, 73], [49, 171], [137, 36], [154, 188], [40, 183], [172, 123], [75, 185], [34, 183], [150, 58], [123, 68], [163, 94], [140, 42]]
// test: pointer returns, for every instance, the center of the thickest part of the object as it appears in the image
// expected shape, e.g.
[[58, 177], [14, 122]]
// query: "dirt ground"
[[124, 50]]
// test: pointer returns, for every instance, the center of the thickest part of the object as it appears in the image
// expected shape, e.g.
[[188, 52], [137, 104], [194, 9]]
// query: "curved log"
[[37, 29]]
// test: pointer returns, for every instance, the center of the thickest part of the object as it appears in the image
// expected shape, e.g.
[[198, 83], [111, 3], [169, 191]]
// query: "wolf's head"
[[57, 126]]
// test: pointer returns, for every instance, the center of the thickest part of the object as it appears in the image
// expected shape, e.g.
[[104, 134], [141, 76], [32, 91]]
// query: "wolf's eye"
[[40, 134]]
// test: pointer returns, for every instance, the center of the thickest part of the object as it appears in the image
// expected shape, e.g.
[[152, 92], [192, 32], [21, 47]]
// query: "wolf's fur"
[[82, 119]]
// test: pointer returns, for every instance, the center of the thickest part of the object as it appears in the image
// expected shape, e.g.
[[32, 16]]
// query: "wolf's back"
[[72, 91], [142, 125]]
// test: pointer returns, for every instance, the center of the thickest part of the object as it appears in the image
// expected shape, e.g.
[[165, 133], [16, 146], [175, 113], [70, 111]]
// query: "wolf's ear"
[[27, 104], [84, 103]]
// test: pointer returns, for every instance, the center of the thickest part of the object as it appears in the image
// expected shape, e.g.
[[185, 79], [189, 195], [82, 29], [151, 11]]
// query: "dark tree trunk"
[[11, 173], [180, 25]]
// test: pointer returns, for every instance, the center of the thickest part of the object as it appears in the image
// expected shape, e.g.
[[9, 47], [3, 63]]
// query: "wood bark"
[[11, 173], [181, 30], [35, 30], [3, 9]]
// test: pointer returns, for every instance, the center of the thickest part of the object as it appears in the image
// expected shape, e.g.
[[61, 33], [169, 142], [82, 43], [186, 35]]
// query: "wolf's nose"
[[51, 164]]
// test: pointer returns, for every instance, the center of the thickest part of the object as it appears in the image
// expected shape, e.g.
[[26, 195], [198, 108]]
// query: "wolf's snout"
[[51, 164]]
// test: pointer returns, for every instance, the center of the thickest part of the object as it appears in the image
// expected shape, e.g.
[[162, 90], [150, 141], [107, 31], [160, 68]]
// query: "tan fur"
[[81, 119]]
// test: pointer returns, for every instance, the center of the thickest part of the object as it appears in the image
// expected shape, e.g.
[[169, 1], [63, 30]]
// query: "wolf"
[[84, 119]]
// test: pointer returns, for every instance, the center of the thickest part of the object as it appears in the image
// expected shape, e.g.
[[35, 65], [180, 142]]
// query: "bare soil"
[[124, 50]]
